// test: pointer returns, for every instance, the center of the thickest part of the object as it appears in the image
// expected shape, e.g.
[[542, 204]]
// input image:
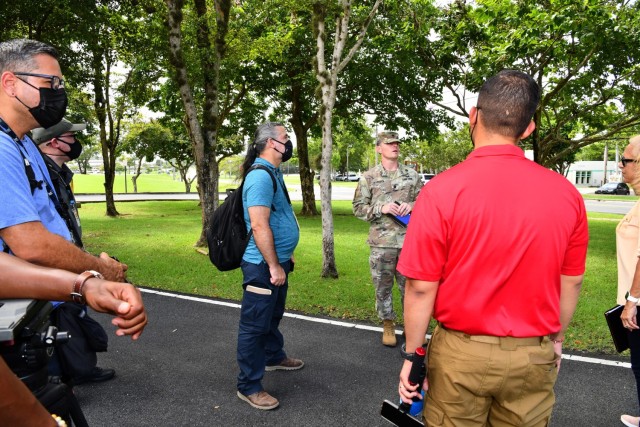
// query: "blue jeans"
[[634, 346], [260, 343]]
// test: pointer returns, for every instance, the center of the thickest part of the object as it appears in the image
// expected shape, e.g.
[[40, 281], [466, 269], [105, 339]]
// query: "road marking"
[[358, 326]]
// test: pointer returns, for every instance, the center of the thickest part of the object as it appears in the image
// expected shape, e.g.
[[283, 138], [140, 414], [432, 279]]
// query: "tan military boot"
[[388, 333]]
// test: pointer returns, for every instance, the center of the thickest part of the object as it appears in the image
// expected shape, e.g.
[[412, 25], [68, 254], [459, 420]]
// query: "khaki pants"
[[489, 381]]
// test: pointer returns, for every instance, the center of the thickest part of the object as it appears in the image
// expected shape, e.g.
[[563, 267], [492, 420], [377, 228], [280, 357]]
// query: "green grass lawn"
[[162, 183], [156, 240]]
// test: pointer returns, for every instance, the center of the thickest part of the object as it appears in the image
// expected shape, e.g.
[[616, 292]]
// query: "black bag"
[[227, 236], [78, 355]]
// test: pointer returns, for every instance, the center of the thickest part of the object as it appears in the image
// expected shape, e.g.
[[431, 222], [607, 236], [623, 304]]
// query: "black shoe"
[[97, 375]]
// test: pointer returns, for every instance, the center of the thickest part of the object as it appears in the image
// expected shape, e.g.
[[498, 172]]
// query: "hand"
[[557, 348], [112, 269], [404, 209], [278, 277], [407, 391], [122, 300], [395, 209], [628, 316]]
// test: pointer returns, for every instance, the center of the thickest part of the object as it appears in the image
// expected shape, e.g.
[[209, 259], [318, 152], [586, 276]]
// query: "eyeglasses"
[[56, 82], [625, 162]]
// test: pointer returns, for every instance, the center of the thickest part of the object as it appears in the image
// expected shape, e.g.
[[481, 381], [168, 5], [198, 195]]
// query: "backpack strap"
[[273, 180], [263, 167]]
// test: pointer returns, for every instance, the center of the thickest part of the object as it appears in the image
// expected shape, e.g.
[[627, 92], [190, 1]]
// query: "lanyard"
[[4, 127]]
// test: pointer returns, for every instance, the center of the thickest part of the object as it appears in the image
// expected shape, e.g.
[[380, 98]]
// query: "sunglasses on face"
[[625, 162]]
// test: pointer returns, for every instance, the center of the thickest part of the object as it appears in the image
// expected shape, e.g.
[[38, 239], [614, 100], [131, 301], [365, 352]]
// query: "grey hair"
[[263, 133], [19, 54]]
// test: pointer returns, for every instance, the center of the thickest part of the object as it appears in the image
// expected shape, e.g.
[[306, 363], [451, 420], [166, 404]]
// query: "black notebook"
[[618, 332]]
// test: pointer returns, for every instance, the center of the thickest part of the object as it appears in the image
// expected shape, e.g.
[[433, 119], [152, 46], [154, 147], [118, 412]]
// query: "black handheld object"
[[400, 415], [416, 375]]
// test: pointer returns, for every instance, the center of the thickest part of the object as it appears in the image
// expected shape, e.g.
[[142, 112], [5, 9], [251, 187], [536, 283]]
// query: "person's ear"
[[473, 116], [8, 82], [529, 130]]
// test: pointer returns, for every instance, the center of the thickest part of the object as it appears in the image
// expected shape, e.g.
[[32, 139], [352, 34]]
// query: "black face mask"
[[52, 106], [288, 149], [75, 150]]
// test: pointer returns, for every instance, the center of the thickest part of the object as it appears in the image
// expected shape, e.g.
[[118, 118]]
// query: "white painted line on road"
[[598, 361], [359, 326]]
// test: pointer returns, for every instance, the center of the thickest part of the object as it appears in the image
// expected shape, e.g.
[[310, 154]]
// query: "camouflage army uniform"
[[376, 188]]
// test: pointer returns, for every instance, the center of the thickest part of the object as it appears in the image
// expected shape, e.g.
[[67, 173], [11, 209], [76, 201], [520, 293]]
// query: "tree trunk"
[[134, 177], [328, 78], [306, 174], [329, 268], [203, 137], [100, 105]]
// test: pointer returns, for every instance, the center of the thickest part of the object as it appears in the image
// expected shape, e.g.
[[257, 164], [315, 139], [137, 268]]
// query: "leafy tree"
[[144, 141], [447, 150], [584, 56], [327, 70]]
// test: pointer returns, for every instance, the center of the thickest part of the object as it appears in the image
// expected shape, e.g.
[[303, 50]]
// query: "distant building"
[[592, 173]]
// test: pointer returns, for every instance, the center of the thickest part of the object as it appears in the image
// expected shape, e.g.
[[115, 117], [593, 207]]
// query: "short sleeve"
[[258, 189], [574, 263]]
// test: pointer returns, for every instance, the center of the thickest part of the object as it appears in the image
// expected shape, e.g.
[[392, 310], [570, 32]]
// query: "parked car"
[[614, 188], [338, 177], [352, 177], [426, 177]]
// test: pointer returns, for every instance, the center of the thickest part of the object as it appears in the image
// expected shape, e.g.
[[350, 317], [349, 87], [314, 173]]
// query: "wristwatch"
[[405, 355], [632, 299]]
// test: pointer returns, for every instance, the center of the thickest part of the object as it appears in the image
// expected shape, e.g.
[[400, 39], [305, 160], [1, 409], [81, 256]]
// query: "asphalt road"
[[182, 373]]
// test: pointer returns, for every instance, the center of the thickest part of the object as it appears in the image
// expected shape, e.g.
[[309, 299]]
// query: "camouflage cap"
[[387, 137]]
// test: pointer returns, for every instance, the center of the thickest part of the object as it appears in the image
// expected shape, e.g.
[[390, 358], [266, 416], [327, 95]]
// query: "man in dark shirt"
[[77, 358]]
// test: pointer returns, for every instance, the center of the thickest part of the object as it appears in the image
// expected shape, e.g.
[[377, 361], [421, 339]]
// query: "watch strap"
[[76, 293], [406, 356], [632, 299]]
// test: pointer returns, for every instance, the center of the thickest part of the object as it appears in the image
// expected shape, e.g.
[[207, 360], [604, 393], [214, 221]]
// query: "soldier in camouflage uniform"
[[375, 201]]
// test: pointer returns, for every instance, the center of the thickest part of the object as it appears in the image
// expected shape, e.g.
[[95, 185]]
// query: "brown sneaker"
[[260, 400], [288, 364]]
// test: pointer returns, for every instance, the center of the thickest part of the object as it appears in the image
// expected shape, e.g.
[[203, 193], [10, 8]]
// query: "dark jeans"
[[260, 343], [634, 346]]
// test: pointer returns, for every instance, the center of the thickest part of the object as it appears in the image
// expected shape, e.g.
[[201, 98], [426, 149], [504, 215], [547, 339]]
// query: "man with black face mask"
[[266, 264], [59, 145], [76, 360], [32, 95], [32, 226]]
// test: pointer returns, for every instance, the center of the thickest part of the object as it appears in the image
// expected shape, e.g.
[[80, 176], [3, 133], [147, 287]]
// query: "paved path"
[[182, 373], [338, 193]]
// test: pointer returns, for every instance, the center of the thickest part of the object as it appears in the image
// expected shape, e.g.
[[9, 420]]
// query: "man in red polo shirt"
[[495, 252]]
